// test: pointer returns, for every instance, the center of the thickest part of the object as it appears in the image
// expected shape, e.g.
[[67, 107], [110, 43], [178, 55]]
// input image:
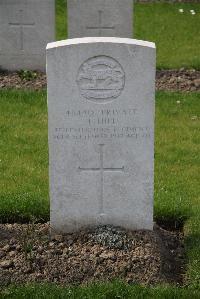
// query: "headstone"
[[101, 132], [26, 26], [100, 18]]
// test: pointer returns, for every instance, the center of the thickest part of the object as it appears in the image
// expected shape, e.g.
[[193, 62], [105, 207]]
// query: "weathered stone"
[[2, 254], [26, 26], [197, 82], [58, 238], [6, 247], [101, 133], [12, 253], [6, 264], [100, 18], [40, 249]]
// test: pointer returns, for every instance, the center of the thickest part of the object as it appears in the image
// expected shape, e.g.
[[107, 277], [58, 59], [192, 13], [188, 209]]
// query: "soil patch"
[[169, 80], [23, 80], [178, 80], [27, 254]]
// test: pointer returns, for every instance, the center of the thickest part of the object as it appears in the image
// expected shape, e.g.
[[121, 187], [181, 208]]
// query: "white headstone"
[[100, 18], [26, 26], [101, 132]]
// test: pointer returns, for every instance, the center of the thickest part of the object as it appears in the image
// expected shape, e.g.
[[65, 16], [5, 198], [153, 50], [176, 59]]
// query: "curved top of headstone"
[[88, 40]]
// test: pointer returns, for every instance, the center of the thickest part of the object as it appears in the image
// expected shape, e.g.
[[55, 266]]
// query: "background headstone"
[[100, 18], [101, 132], [26, 26]]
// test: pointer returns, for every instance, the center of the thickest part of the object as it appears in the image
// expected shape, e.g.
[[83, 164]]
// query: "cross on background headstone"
[[21, 25], [102, 169], [26, 26], [100, 18], [100, 25]]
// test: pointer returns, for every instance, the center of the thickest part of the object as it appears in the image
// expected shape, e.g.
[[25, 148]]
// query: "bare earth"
[[169, 80], [28, 255]]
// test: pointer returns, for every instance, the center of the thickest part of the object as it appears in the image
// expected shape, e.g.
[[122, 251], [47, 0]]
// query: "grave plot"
[[102, 254]]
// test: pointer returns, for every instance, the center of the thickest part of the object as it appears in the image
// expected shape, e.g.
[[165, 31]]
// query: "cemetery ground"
[[172, 250], [24, 197]]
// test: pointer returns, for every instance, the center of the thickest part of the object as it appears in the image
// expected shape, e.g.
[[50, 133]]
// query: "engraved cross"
[[102, 169], [100, 25], [21, 25]]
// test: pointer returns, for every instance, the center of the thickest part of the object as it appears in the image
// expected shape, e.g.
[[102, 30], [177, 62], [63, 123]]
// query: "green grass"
[[23, 156], [61, 19], [177, 170], [176, 35], [115, 290], [177, 158], [24, 163]]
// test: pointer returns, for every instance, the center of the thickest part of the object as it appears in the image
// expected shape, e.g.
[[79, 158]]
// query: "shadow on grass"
[[175, 223]]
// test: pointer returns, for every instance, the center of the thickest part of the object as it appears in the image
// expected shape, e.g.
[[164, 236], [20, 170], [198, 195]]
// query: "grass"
[[61, 19], [176, 35], [23, 156], [177, 158], [24, 163], [115, 290]]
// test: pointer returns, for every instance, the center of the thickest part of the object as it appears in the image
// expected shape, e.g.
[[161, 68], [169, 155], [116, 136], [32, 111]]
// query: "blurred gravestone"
[[26, 26], [100, 18]]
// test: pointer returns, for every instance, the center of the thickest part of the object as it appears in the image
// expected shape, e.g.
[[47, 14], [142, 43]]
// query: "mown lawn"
[[176, 34], [23, 156], [115, 290]]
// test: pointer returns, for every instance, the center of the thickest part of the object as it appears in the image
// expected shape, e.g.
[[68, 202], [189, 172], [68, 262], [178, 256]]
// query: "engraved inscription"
[[102, 169], [107, 133], [21, 26], [100, 27], [101, 79]]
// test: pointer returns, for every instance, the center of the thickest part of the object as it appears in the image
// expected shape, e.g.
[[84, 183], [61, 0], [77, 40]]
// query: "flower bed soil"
[[169, 80], [27, 254]]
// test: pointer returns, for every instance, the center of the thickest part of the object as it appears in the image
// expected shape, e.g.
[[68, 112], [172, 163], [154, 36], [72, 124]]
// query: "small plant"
[[27, 75]]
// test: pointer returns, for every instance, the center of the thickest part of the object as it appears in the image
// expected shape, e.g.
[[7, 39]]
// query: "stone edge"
[[88, 40]]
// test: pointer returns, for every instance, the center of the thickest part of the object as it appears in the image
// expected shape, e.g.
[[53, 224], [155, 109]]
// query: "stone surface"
[[26, 26], [101, 132], [6, 264], [100, 18]]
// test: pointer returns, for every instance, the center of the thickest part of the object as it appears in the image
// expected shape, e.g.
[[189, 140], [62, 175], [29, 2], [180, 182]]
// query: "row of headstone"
[[26, 26]]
